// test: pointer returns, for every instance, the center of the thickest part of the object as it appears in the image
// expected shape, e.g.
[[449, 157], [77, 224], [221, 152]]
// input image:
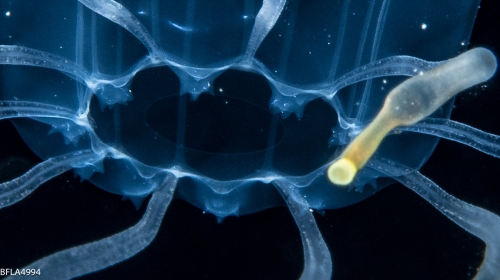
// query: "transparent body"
[[136, 111]]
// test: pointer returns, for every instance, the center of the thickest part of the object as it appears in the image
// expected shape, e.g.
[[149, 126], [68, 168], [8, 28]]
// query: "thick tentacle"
[[118, 14], [17, 189], [264, 22], [10, 109], [448, 129], [106, 252], [477, 221], [317, 260], [19, 55]]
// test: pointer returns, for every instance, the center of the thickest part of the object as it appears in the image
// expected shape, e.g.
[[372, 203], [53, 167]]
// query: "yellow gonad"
[[410, 102]]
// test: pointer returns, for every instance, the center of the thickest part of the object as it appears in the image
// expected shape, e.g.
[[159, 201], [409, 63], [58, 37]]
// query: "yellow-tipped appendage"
[[342, 171], [411, 101]]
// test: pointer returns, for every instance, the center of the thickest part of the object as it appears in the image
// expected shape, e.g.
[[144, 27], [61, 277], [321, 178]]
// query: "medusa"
[[187, 64]]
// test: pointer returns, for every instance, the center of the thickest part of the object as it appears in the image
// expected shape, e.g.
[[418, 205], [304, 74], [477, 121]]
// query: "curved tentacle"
[[19, 55], [15, 190], [91, 257], [118, 14], [477, 221], [26, 109], [448, 129], [266, 19], [317, 259]]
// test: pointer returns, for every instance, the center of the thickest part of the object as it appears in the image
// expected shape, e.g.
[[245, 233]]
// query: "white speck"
[[221, 90], [245, 17], [462, 43], [7, 13], [384, 81], [423, 26]]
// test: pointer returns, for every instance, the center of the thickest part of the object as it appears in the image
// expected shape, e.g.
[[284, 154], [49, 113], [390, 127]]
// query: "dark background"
[[393, 235]]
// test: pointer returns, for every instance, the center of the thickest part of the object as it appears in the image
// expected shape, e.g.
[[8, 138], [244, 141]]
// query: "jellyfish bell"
[[71, 87]]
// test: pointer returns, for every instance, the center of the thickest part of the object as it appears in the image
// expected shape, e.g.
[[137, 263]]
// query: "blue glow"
[[269, 96]]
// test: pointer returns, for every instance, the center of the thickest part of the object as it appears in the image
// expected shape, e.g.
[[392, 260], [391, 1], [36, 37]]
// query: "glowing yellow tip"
[[342, 172]]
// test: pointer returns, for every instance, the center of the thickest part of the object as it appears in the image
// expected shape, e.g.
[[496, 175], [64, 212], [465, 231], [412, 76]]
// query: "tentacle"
[[18, 55], [106, 252], [17, 189], [448, 129], [25, 109], [317, 260], [118, 14], [477, 221], [265, 20]]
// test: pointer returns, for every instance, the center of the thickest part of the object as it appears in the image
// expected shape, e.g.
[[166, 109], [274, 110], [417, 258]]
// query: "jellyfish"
[[142, 98]]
